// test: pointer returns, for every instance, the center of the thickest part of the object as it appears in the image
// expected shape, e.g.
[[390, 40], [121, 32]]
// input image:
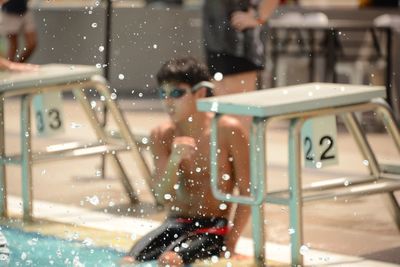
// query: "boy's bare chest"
[[198, 164], [196, 170], [200, 159]]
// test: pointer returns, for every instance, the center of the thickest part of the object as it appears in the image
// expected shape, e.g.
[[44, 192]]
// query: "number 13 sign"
[[319, 137], [49, 113]]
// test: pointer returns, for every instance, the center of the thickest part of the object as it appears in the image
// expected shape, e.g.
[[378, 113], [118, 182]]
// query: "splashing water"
[[52, 251]]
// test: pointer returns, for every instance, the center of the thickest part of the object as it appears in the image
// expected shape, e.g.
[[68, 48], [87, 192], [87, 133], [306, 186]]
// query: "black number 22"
[[326, 139]]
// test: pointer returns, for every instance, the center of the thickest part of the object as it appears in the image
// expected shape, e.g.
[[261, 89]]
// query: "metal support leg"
[[295, 201], [133, 197], [257, 174], [26, 157], [3, 185], [125, 133], [101, 135], [389, 68], [257, 223], [354, 128], [127, 136], [274, 56], [390, 123], [257, 181], [393, 129], [311, 63]]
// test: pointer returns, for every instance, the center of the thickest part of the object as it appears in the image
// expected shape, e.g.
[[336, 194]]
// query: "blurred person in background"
[[17, 19], [163, 3], [234, 41], [379, 3]]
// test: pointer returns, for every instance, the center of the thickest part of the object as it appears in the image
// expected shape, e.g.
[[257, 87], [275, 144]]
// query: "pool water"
[[33, 249]]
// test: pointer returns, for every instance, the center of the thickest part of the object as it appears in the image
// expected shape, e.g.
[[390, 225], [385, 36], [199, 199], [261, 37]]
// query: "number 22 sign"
[[319, 137]]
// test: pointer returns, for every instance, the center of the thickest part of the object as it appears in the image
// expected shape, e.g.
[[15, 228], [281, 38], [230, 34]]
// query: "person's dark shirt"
[[221, 37], [385, 3], [166, 2], [17, 7]]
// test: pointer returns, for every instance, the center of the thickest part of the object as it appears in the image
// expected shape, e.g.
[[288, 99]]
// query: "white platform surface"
[[46, 75], [290, 99]]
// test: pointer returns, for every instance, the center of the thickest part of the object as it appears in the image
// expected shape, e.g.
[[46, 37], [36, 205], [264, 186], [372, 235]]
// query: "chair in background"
[[295, 41], [365, 60]]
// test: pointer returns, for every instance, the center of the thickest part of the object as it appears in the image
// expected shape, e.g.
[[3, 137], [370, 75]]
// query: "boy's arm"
[[167, 163], [239, 149]]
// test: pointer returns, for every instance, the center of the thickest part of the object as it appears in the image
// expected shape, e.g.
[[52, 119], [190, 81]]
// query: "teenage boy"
[[197, 224]]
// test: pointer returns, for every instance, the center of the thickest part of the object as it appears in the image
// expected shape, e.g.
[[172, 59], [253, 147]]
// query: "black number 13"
[[55, 121]]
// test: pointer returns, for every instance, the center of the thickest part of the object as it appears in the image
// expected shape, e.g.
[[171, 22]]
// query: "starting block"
[[298, 104], [45, 85]]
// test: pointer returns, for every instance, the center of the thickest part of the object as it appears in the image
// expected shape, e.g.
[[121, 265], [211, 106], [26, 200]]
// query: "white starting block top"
[[291, 99], [46, 75]]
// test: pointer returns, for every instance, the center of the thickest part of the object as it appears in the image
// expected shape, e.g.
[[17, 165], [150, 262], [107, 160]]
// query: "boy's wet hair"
[[184, 70]]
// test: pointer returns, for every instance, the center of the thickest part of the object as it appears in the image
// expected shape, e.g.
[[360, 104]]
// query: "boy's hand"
[[183, 147]]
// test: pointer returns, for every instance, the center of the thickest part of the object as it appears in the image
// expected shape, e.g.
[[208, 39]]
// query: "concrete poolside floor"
[[351, 226]]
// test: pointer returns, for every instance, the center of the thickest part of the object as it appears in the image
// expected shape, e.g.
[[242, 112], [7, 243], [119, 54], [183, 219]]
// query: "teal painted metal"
[[257, 220], [26, 156], [3, 185], [257, 187], [255, 199], [295, 198], [214, 159]]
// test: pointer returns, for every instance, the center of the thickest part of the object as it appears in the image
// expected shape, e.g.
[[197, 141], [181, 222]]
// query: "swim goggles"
[[171, 91]]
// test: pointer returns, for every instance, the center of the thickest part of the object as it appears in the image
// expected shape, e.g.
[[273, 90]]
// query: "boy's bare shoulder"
[[230, 124]]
